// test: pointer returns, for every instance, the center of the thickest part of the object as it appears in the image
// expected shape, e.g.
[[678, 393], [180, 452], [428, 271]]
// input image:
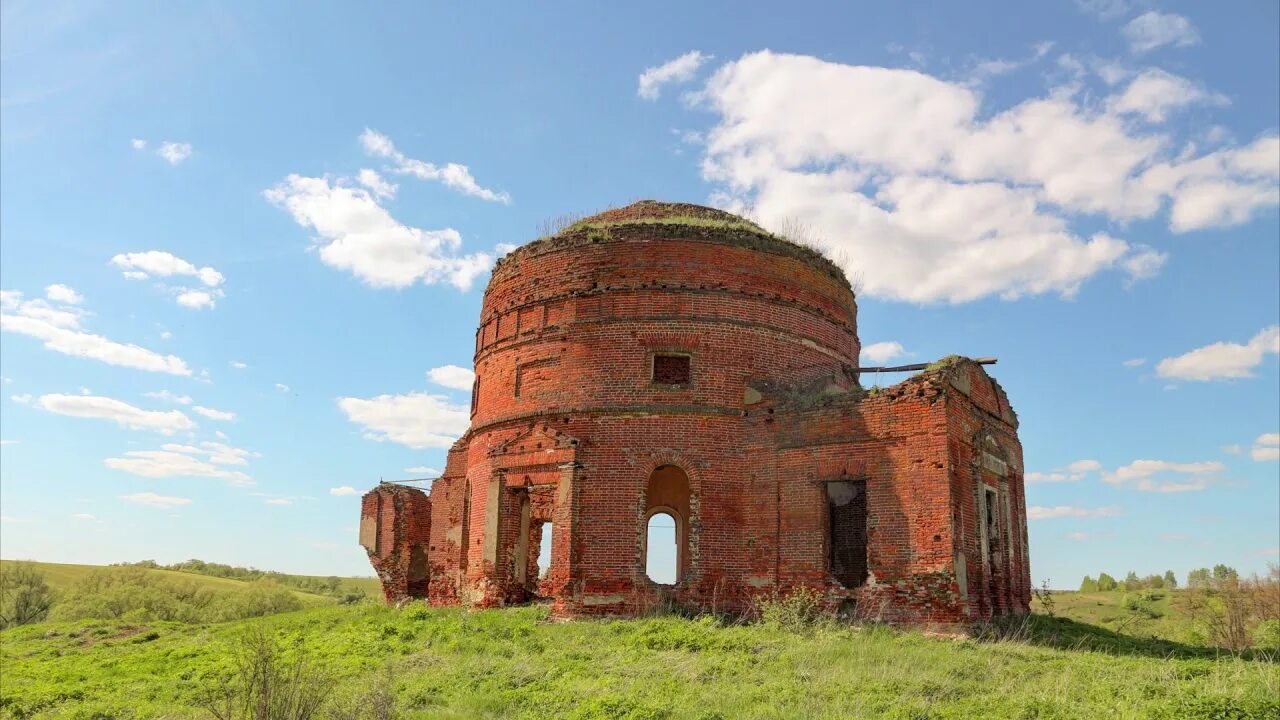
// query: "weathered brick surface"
[[570, 427]]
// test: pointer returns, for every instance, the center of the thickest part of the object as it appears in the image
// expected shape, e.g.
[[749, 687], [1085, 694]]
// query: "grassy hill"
[[1143, 614], [61, 576], [515, 663]]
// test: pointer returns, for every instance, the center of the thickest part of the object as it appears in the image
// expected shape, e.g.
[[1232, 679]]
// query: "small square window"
[[671, 369]]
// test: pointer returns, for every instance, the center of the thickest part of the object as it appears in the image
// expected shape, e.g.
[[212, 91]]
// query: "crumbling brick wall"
[[575, 414], [395, 529]]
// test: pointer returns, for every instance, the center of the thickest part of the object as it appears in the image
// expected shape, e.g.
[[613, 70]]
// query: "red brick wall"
[[568, 422]]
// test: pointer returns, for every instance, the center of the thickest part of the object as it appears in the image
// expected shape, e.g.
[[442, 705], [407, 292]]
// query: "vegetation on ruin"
[[333, 662]]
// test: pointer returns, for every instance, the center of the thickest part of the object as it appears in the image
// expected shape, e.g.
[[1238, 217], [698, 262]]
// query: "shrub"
[[1267, 635], [25, 597], [137, 595], [800, 609], [267, 684]]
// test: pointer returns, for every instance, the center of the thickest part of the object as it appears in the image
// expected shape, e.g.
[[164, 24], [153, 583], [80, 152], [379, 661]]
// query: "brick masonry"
[[576, 425]]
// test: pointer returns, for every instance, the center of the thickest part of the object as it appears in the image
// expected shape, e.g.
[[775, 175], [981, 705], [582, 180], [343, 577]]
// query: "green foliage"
[[343, 589], [794, 611], [1170, 580], [1267, 635], [137, 595], [266, 683], [1088, 584], [1199, 578], [25, 597], [1106, 583], [447, 663], [1131, 581]]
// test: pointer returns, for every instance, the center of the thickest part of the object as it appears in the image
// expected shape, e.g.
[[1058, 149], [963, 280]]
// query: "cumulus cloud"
[[103, 408], [155, 500], [282, 387], [881, 352], [196, 299], [1074, 472], [417, 420], [1037, 512], [679, 70], [454, 176], [1152, 476], [215, 452], [1222, 360], [1151, 30], [452, 376], [180, 462], [422, 470], [59, 326], [911, 184], [357, 234], [1154, 93], [212, 414], [159, 263], [170, 151], [1266, 447], [63, 294], [343, 491], [382, 189]]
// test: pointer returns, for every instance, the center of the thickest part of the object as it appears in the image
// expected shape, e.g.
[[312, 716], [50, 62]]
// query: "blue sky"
[[243, 247]]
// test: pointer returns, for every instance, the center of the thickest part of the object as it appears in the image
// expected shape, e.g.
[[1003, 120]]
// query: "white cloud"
[[122, 413], [1154, 92], [881, 352], [170, 463], [278, 501], [1074, 472], [1144, 475], [1153, 29], [359, 235], [174, 152], [1037, 512], [1135, 362], [1222, 360], [675, 71], [422, 470], [159, 263], [197, 299], [21, 399], [169, 397], [215, 452], [911, 183], [138, 144], [454, 176], [418, 420], [380, 188], [343, 491], [59, 328], [452, 376], [1232, 449], [1079, 536], [154, 500], [165, 335], [282, 387], [1266, 447], [238, 365], [63, 294], [212, 414]]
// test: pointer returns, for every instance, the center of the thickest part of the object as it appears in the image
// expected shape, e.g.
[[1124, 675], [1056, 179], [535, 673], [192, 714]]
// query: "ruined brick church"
[[677, 362]]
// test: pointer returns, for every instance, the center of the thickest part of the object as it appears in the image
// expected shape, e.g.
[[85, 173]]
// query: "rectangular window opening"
[[671, 369], [847, 529]]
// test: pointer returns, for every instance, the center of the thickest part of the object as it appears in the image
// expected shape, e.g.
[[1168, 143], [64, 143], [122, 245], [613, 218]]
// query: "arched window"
[[666, 527], [661, 552]]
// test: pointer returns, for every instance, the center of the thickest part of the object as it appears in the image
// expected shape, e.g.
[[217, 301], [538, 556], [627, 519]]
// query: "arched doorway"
[[665, 556]]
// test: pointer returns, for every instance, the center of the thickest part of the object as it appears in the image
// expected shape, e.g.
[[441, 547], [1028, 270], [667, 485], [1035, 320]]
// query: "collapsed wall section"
[[395, 530]]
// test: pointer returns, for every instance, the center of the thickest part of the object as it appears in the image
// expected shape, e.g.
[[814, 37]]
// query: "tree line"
[[332, 586]]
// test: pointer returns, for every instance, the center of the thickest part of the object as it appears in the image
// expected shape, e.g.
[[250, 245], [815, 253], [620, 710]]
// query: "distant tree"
[[1154, 582], [1106, 583], [1224, 572], [1088, 584], [1199, 578], [1170, 581], [1131, 582], [25, 597]]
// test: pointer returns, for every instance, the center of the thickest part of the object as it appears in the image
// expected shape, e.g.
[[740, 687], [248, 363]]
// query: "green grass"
[[515, 663], [61, 576], [1106, 610]]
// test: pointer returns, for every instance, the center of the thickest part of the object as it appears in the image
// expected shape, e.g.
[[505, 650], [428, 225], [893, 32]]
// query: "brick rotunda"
[[677, 361]]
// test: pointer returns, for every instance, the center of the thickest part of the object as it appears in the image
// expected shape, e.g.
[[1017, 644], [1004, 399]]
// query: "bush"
[[267, 684], [25, 597], [800, 609], [1267, 635], [137, 595]]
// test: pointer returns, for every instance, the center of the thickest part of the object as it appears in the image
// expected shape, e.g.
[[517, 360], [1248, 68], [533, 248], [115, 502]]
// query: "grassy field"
[[1107, 610], [61, 576], [515, 663]]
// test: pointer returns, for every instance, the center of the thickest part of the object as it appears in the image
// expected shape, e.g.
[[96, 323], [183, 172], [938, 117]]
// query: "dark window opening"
[[671, 369], [418, 576], [993, 522], [847, 513], [475, 395]]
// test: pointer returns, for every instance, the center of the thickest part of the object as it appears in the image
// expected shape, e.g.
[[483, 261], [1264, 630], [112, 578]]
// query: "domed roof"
[[655, 211]]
